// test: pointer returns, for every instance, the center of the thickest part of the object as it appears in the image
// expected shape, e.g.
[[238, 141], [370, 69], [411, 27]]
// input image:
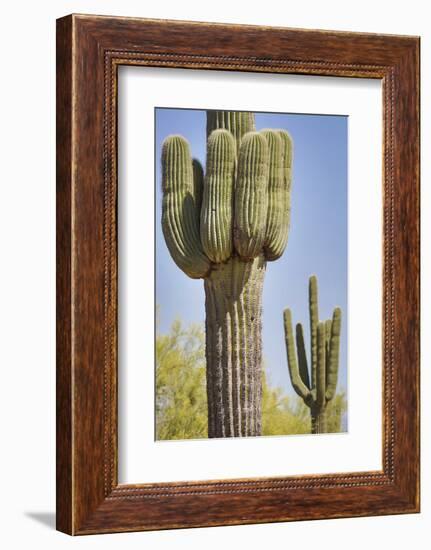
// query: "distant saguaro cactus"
[[325, 349], [223, 228]]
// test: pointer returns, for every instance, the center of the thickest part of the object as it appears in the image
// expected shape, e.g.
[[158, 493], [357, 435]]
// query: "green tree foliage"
[[181, 400], [282, 414]]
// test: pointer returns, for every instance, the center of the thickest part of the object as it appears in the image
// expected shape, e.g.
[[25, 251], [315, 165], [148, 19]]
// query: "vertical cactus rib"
[[257, 404], [217, 326], [236, 354], [210, 347], [277, 223], [255, 339], [334, 353], [227, 365], [246, 365], [251, 198], [179, 215], [325, 348], [297, 381], [217, 202]]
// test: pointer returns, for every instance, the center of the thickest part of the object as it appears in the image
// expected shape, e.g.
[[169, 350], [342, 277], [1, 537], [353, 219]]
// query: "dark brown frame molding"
[[89, 51]]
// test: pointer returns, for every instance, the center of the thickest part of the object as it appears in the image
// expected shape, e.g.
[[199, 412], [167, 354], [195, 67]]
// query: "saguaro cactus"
[[223, 228], [325, 348]]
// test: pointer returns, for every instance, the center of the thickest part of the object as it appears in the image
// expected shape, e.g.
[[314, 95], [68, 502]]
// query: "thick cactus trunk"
[[319, 420], [234, 347]]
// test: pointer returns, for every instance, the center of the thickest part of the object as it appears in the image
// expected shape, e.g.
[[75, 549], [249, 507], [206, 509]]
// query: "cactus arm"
[[279, 200], [179, 213], [238, 123], [251, 199], [287, 185], [328, 323], [276, 216], [297, 382], [334, 353], [287, 159], [314, 319], [321, 367], [302, 357], [217, 201]]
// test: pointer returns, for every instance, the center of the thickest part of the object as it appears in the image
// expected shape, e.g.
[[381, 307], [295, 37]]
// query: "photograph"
[[251, 273]]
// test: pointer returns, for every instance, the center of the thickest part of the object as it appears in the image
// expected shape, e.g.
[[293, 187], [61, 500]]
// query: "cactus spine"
[[325, 349], [223, 228]]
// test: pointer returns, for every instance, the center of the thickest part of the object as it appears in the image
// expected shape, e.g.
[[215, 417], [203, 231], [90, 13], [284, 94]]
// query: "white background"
[[27, 122], [141, 458]]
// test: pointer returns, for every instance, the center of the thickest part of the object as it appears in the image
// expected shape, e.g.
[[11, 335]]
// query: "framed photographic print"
[[237, 274]]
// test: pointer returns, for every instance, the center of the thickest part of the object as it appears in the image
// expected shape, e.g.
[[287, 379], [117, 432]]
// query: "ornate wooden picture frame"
[[89, 51]]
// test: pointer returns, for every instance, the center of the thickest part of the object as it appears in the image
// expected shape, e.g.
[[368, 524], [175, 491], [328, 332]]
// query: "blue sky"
[[317, 240]]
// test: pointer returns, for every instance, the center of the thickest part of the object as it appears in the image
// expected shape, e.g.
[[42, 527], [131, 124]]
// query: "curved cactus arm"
[[321, 365], [276, 217], [217, 202], [251, 197], [334, 353], [179, 212], [238, 123], [198, 187], [314, 320], [297, 382], [287, 183], [302, 356], [277, 243], [287, 158]]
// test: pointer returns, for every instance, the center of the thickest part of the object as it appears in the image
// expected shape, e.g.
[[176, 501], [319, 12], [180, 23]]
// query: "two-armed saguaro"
[[223, 227], [319, 389]]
